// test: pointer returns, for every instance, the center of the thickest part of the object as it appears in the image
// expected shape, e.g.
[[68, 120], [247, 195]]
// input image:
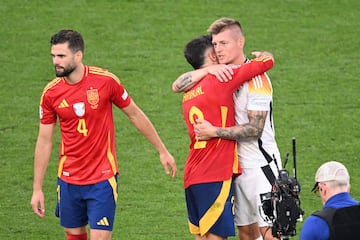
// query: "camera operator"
[[333, 184]]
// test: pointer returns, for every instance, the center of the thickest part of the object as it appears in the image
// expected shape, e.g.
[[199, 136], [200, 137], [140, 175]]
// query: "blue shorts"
[[210, 208], [94, 204]]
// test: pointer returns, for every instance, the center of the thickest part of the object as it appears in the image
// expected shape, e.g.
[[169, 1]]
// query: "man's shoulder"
[[325, 214], [53, 84], [336, 217], [314, 227], [97, 70], [103, 73]]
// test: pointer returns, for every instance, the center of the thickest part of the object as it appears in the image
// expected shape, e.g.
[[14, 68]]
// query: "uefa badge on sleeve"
[[41, 112]]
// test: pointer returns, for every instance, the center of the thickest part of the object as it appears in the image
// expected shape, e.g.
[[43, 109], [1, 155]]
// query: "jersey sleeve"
[[119, 95], [46, 111], [259, 93], [251, 69]]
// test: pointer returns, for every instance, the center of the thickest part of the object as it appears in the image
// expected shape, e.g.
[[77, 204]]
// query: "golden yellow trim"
[[62, 151], [48, 86], [193, 228], [216, 209], [113, 185], [103, 72], [61, 164], [110, 155], [224, 111], [236, 161]]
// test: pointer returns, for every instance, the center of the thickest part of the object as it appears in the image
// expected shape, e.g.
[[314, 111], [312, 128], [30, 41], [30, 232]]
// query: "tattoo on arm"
[[184, 82], [249, 131]]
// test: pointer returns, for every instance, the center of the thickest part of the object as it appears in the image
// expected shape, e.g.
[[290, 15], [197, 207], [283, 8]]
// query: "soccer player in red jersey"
[[81, 98], [211, 165]]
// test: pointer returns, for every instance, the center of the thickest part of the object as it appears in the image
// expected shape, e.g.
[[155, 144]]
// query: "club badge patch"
[[79, 109]]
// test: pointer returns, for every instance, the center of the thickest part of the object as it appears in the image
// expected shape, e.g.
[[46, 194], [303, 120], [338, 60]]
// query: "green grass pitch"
[[315, 80]]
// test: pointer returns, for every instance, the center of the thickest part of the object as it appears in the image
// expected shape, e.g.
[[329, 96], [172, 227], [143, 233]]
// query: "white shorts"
[[247, 190]]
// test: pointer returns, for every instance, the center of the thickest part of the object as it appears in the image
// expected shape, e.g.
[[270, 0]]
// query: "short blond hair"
[[223, 23]]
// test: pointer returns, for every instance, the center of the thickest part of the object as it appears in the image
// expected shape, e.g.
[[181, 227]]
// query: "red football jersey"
[[215, 159], [84, 110]]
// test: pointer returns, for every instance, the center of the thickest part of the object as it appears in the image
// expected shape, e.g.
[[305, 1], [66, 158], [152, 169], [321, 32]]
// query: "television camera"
[[281, 206]]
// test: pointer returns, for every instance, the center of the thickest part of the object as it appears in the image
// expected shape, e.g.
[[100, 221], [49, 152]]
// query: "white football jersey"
[[256, 95]]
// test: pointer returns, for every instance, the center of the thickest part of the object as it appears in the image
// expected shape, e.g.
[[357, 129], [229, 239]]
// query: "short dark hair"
[[195, 50], [75, 40]]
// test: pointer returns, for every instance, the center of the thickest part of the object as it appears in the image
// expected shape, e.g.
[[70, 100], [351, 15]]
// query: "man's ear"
[[79, 56], [242, 41], [213, 57]]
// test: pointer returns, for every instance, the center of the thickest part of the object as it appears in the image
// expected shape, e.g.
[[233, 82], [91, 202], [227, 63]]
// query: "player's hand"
[[169, 164], [204, 130], [38, 203], [258, 54], [222, 72]]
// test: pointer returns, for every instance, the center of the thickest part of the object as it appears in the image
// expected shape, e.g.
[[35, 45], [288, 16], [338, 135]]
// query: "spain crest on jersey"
[[93, 97], [79, 109]]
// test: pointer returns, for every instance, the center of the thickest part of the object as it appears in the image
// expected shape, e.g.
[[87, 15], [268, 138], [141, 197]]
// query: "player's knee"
[[249, 232]]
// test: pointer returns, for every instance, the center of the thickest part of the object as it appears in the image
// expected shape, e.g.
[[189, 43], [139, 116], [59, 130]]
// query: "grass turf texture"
[[315, 82]]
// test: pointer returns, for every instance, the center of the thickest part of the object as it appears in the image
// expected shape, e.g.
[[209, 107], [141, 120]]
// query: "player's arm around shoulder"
[[186, 80]]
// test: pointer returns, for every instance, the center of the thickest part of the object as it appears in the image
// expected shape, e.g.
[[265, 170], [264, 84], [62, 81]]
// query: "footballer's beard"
[[66, 71]]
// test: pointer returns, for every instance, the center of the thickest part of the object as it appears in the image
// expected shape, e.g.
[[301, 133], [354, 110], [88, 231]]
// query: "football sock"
[[76, 237]]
